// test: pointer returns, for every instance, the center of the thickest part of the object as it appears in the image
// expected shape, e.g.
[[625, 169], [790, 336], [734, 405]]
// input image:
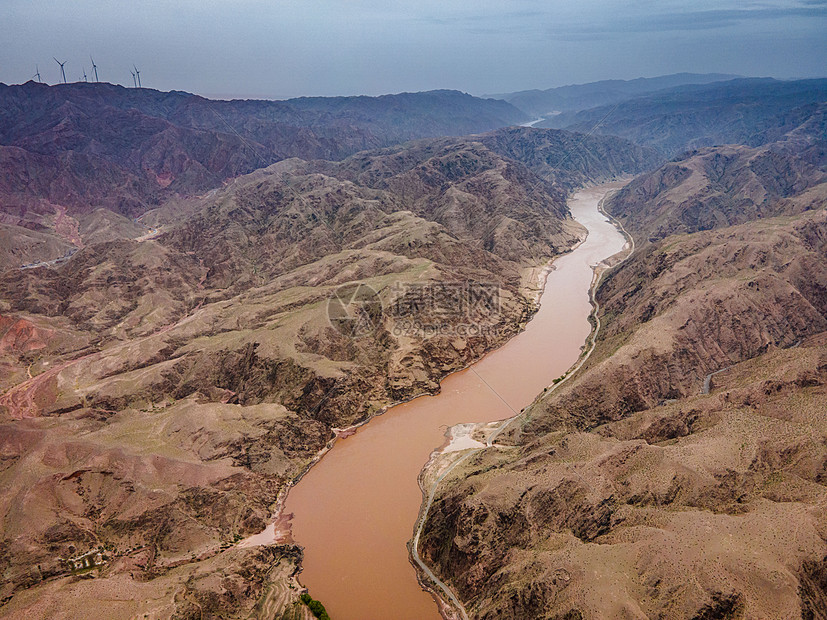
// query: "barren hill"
[[722, 186], [70, 149]]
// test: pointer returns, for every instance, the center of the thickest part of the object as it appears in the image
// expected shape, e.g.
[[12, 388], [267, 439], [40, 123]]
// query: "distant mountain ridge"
[[84, 146], [750, 111], [582, 96]]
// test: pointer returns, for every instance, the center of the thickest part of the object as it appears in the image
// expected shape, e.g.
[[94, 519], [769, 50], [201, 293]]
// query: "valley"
[[232, 332], [161, 392], [354, 511]]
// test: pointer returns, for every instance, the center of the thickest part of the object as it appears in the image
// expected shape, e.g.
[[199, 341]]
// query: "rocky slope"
[[722, 186], [681, 474], [571, 159], [70, 149], [292, 213]]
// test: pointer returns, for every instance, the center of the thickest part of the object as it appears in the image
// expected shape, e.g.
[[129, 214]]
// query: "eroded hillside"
[[682, 472], [722, 186], [70, 150]]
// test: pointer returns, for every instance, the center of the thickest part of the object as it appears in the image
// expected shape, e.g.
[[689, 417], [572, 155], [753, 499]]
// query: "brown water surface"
[[355, 510]]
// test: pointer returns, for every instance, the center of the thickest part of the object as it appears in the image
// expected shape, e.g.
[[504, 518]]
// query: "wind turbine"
[[61, 68], [94, 66], [138, 73], [85, 79], [37, 74], [134, 81]]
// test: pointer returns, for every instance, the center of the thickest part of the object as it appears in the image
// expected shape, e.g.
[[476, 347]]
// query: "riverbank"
[[478, 437], [534, 278], [355, 510]]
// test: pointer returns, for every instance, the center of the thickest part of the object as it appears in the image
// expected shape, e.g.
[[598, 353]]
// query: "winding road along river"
[[355, 510]]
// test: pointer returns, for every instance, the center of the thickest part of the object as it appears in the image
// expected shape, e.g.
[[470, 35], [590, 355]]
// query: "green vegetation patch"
[[316, 608]]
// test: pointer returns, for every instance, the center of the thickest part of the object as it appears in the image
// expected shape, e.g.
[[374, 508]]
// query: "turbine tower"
[[138, 73], [95, 67], [37, 74], [85, 79], [134, 81], [62, 72]]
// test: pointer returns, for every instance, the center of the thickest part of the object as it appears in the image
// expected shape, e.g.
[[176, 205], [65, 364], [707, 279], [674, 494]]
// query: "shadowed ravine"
[[355, 510]]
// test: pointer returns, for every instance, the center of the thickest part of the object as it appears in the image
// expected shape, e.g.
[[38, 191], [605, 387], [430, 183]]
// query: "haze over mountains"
[[552, 101], [738, 111], [167, 364]]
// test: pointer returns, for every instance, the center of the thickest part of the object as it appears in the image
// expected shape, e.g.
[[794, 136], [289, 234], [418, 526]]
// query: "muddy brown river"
[[355, 510]]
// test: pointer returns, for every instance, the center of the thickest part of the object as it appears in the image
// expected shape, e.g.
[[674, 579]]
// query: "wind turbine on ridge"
[[37, 74], [63, 73], [95, 67], [138, 73], [134, 81]]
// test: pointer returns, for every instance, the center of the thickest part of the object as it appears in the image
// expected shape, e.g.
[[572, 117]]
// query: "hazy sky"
[[286, 48]]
